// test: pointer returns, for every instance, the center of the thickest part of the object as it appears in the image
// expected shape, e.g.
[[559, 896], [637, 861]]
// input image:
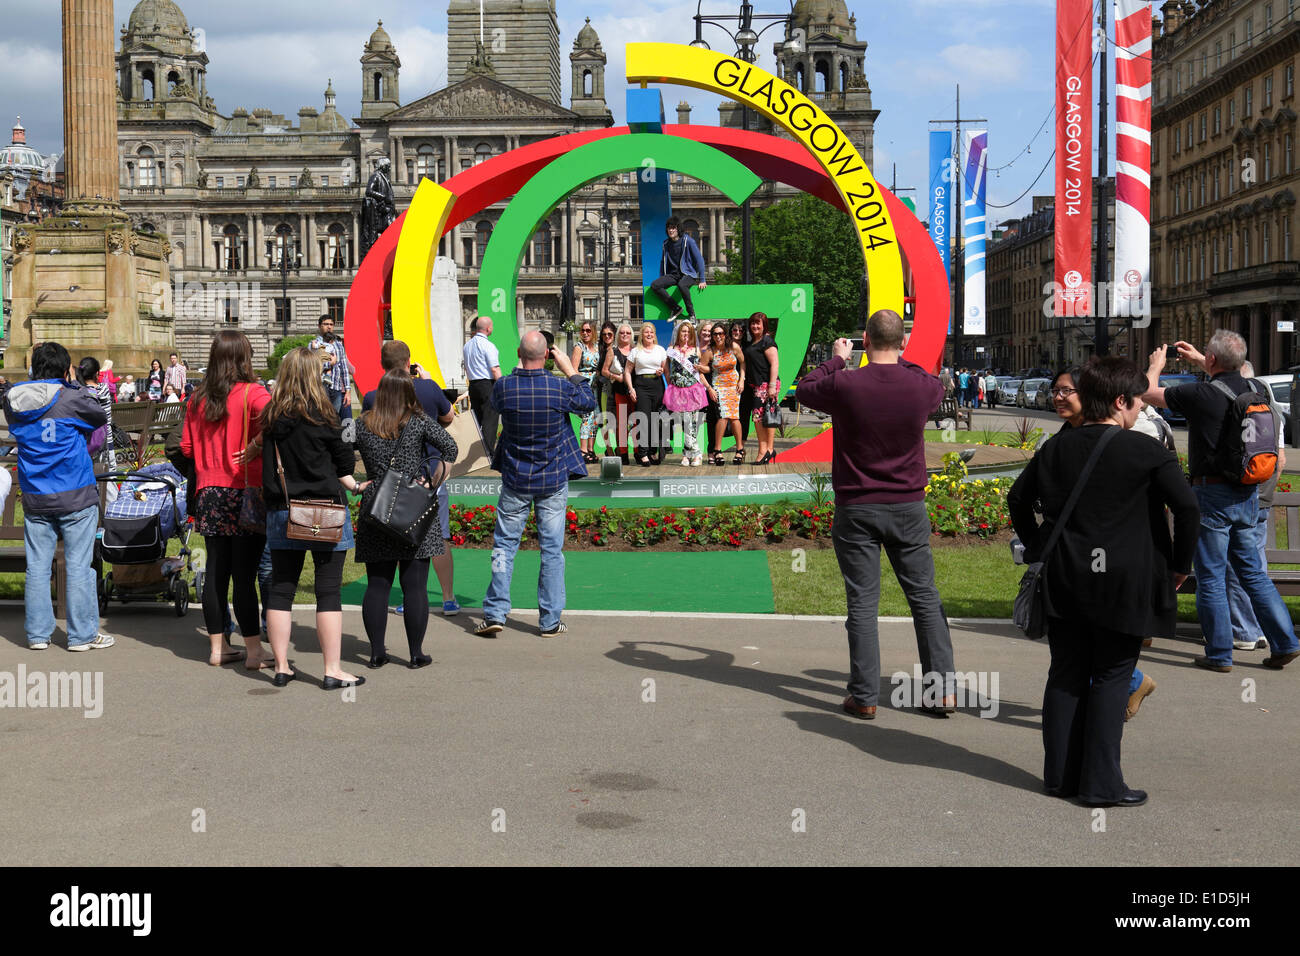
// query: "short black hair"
[[323, 319], [1105, 379], [87, 369], [1074, 371], [50, 360], [673, 223]]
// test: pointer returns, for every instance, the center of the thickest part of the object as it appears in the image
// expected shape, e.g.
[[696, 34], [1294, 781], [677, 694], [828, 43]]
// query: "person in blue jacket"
[[50, 418], [681, 266]]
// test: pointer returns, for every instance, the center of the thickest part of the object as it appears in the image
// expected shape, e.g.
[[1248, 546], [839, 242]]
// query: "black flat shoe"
[[333, 683], [282, 680], [378, 661], [423, 660], [1131, 798]]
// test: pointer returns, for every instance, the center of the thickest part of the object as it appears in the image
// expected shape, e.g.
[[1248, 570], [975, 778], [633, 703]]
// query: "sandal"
[[739, 457], [643, 461], [715, 458], [590, 457]]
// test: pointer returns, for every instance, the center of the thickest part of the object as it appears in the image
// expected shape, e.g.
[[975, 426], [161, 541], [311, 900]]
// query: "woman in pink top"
[[214, 437]]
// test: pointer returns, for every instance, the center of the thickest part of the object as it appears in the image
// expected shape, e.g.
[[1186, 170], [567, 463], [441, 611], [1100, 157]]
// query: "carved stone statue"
[[254, 180], [305, 180], [182, 91], [22, 241], [116, 242], [203, 179], [378, 210]]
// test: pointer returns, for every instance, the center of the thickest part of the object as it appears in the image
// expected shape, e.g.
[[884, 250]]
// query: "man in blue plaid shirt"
[[536, 454]]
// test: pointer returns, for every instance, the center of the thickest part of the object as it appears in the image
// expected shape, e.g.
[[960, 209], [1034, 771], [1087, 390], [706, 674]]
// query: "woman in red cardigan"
[[225, 415]]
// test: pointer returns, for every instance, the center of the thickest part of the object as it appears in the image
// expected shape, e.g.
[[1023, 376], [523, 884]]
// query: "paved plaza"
[[634, 739]]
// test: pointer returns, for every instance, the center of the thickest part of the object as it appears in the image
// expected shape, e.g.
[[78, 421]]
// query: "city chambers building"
[[1224, 178], [262, 211]]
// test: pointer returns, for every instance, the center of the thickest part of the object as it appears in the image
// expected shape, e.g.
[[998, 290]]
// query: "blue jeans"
[[512, 515], [41, 536], [1245, 626], [1229, 522]]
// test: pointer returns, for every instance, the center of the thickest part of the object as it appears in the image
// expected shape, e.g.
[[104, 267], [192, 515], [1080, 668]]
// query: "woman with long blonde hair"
[[644, 376], [303, 437]]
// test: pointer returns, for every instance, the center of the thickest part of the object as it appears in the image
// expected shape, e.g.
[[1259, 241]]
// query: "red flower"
[[573, 526], [651, 523], [806, 514], [595, 539], [604, 510], [690, 511], [983, 525]]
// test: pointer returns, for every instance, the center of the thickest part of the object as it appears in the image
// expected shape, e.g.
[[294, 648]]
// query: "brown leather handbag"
[[311, 519]]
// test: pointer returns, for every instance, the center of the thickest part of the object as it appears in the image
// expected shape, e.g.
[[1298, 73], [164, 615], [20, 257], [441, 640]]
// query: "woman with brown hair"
[[394, 434], [616, 358], [762, 375], [305, 439], [225, 417], [724, 359]]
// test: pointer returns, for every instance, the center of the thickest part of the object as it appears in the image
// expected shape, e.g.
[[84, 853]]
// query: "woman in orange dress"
[[725, 360]]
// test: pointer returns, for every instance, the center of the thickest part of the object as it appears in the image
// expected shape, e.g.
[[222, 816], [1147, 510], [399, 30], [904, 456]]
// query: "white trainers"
[[556, 631], [101, 641], [38, 646], [1249, 645]]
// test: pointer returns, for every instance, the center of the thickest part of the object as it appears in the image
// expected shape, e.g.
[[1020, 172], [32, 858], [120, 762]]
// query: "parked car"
[[1033, 392], [1169, 381], [1008, 389], [1279, 387]]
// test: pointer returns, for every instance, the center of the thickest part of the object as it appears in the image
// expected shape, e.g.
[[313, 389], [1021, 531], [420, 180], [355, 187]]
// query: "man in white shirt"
[[482, 368]]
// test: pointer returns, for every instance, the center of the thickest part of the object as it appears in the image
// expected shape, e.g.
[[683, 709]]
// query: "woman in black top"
[[762, 369], [1110, 579], [301, 425], [605, 342], [395, 431], [611, 370]]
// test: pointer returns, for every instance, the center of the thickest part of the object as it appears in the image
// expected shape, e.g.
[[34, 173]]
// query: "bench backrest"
[[1286, 508], [133, 416], [166, 416]]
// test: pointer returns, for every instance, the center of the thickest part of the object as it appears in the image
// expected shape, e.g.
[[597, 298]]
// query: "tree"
[[804, 240], [284, 348]]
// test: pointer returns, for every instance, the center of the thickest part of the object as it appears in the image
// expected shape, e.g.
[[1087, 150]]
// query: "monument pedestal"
[[95, 286]]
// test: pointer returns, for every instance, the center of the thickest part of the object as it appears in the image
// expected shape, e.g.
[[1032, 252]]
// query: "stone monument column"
[[90, 109]]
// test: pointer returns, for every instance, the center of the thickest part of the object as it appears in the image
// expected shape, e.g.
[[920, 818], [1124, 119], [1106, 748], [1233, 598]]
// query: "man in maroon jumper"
[[878, 472]]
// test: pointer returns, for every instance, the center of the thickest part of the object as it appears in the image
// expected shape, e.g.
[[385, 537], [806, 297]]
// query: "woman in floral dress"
[[586, 360], [726, 361]]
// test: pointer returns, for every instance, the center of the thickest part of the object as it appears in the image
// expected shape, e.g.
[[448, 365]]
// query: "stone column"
[[310, 234], [399, 160], [205, 240], [90, 109], [1275, 357]]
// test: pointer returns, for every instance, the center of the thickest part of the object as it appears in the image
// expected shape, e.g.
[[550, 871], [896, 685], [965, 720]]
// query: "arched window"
[[379, 86], [800, 78], [482, 153], [172, 79], [481, 236], [692, 228], [426, 163], [282, 249], [146, 84], [336, 247], [823, 78], [147, 227], [231, 248], [542, 245], [586, 82], [148, 167], [178, 174]]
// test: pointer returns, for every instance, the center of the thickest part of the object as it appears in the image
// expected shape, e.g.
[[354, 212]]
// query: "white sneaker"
[[100, 641], [1247, 645], [686, 463], [38, 646]]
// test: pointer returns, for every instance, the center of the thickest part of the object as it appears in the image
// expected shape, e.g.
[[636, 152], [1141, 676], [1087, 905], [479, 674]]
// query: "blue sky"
[[280, 55]]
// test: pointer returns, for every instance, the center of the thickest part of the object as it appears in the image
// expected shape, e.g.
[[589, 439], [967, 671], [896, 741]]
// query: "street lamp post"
[[746, 40], [607, 231], [283, 236]]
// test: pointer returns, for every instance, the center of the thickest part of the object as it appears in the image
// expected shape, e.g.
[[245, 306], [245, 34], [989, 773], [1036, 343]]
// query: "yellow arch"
[[417, 248], [808, 123]]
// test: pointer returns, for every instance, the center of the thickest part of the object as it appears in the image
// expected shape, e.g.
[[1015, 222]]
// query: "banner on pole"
[[941, 200], [1132, 272], [1073, 226], [973, 228]]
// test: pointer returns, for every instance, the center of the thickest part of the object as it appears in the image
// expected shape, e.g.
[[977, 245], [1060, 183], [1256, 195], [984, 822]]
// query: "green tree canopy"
[[285, 346], [802, 239]]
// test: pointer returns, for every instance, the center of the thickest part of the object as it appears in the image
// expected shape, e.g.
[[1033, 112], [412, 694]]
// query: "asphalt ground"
[[634, 739]]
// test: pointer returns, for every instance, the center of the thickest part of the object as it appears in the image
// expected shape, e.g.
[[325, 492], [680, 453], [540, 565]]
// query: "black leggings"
[[286, 568], [649, 402], [232, 556], [415, 602]]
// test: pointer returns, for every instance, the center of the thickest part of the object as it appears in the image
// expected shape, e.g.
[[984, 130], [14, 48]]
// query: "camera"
[[415, 371], [1172, 353], [1017, 551]]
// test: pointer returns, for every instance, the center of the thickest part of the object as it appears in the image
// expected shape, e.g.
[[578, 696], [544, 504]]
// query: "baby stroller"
[[148, 512]]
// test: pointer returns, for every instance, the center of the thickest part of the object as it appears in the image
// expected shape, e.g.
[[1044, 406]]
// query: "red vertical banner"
[[1073, 291]]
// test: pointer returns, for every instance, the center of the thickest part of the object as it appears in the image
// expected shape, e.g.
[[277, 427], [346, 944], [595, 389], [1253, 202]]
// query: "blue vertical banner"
[[973, 231], [941, 165]]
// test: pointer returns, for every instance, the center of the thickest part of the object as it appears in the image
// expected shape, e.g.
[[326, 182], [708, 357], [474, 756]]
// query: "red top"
[[212, 445]]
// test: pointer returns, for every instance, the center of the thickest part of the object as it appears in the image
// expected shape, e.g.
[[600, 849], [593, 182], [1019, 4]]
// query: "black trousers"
[[1083, 708], [480, 394], [237, 557], [649, 403], [415, 602], [748, 402], [666, 281], [286, 569]]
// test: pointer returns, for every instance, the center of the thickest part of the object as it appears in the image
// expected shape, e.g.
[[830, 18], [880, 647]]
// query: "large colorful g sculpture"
[[821, 162]]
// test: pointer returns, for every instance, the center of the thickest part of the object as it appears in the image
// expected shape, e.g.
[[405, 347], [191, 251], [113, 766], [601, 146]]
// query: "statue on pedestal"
[[378, 210]]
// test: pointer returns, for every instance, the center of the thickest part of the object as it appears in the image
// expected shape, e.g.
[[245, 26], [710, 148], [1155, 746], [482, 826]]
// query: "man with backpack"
[[1232, 450]]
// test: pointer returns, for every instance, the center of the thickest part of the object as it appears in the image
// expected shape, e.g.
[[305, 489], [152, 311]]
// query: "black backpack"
[[1247, 449]]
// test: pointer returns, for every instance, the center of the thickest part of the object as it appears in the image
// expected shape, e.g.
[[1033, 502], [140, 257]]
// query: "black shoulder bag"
[[405, 505], [1029, 613]]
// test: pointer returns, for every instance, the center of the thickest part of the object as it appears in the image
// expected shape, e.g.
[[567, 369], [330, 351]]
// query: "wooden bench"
[[948, 409], [134, 418], [167, 418], [1286, 510]]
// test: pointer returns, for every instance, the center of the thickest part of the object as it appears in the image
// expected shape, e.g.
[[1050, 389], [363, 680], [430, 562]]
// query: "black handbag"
[[405, 505], [771, 414], [1029, 611]]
